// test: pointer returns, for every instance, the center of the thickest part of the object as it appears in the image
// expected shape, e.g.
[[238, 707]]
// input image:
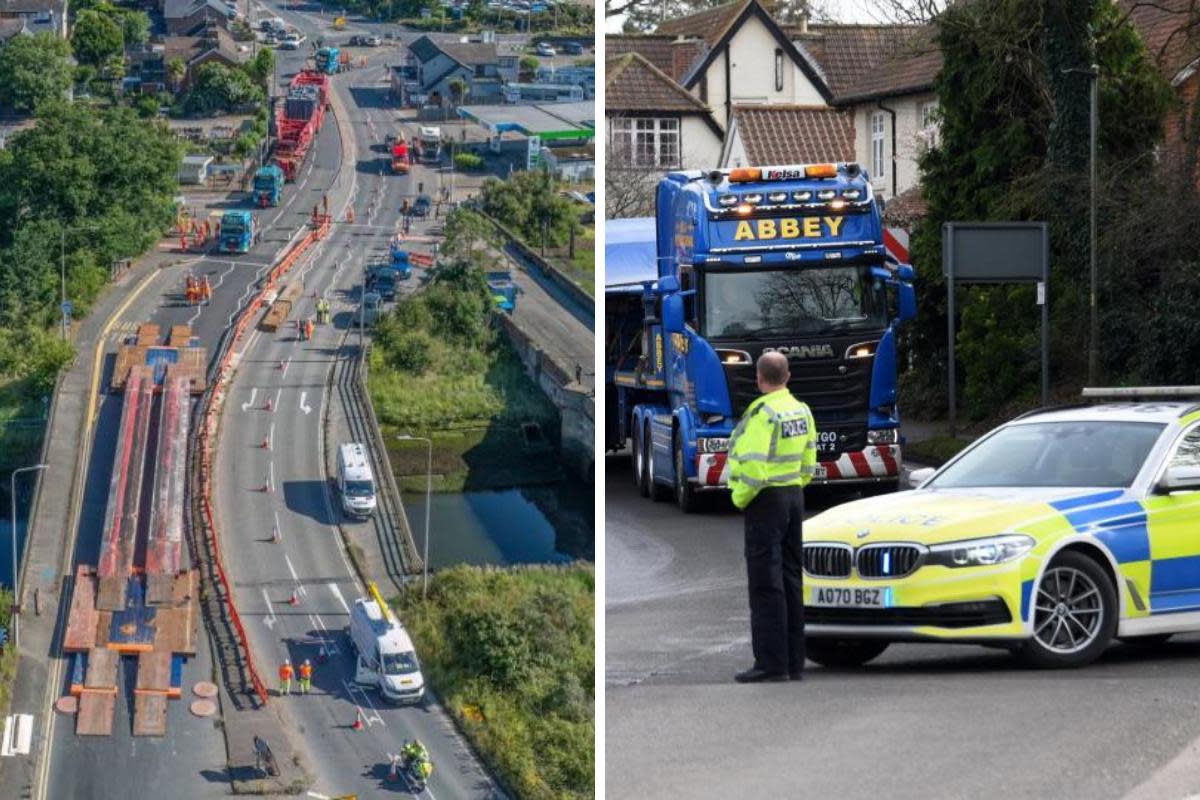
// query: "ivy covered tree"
[[216, 87], [1009, 150], [96, 37]]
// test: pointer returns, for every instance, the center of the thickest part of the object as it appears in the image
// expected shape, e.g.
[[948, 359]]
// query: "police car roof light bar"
[[1142, 392]]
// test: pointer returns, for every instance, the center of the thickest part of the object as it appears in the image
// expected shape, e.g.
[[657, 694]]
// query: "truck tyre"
[[639, 461], [685, 492], [843, 652], [1075, 614], [658, 492]]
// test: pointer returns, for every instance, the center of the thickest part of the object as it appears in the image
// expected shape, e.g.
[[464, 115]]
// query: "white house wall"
[[909, 141], [700, 148]]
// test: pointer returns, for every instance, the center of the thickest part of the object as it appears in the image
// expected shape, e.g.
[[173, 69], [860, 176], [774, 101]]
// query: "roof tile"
[[632, 83], [786, 134]]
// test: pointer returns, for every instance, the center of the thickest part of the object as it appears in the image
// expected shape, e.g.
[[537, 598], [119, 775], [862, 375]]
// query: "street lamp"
[[15, 570], [428, 497], [1093, 367]]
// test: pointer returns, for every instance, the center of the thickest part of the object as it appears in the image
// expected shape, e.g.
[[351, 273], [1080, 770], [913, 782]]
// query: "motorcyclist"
[[416, 758]]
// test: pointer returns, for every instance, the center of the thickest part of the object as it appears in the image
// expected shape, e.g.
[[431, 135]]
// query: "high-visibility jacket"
[[285, 672], [305, 671], [775, 444]]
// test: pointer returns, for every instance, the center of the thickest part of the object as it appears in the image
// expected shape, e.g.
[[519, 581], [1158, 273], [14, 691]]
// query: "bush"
[[411, 352], [146, 106], [468, 161]]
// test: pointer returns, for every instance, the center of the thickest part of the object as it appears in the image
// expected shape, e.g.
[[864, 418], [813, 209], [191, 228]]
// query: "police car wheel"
[[1074, 614], [639, 462], [843, 652], [685, 493]]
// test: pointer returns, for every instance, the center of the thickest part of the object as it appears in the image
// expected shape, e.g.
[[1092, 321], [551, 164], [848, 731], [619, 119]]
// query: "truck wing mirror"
[[668, 284]]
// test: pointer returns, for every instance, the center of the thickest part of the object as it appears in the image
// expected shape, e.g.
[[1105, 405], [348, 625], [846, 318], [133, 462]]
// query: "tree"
[[261, 67], [96, 37], [33, 70], [216, 87], [176, 72], [459, 89], [135, 27]]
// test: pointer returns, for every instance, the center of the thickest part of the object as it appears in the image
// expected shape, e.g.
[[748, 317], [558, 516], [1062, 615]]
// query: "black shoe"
[[796, 676], [756, 675]]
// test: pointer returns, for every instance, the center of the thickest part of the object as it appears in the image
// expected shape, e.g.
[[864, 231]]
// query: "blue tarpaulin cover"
[[629, 252]]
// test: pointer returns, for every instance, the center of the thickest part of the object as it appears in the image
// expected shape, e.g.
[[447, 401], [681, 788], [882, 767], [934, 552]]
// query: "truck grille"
[[888, 560], [827, 560]]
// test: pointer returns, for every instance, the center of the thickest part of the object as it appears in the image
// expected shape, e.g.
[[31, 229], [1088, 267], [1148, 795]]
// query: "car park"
[[1050, 536]]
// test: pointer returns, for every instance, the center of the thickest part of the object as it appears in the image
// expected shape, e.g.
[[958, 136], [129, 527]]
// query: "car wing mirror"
[[1180, 479], [919, 476]]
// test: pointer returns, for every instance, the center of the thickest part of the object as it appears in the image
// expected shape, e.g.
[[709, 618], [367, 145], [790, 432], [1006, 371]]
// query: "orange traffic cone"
[[294, 600], [266, 487], [358, 720], [275, 534], [281, 363], [268, 406], [394, 771], [266, 443]]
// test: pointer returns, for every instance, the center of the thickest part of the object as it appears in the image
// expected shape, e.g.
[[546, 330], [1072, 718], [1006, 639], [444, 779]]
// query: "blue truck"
[[268, 185], [736, 263], [238, 232], [327, 59], [399, 259], [504, 291]]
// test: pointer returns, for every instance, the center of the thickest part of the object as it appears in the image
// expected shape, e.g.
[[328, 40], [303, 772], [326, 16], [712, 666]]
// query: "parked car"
[[372, 41], [289, 44], [574, 48], [422, 206], [355, 41], [545, 50]]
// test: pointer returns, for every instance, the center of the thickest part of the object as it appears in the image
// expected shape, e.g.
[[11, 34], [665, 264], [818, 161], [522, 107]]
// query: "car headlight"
[[982, 552], [712, 445], [883, 436]]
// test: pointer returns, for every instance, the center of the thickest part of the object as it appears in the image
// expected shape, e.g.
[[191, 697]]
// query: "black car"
[[574, 49], [422, 206]]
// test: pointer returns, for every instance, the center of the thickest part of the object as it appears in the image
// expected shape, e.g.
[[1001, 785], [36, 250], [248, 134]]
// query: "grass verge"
[[8, 656], [511, 652]]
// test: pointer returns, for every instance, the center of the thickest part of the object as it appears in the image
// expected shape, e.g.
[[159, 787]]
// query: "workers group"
[[286, 673], [197, 290]]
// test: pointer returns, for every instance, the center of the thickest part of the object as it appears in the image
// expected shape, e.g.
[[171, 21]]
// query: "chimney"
[[802, 23], [683, 53]]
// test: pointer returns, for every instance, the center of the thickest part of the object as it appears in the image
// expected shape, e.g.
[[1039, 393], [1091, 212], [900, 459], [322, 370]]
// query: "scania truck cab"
[[745, 261]]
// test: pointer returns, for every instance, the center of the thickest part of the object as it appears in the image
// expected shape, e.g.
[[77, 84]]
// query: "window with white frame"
[[877, 140], [646, 141], [929, 122]]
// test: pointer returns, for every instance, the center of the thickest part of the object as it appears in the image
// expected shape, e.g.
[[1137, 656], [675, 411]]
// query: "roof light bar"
[[1135, 392], [789, 172]]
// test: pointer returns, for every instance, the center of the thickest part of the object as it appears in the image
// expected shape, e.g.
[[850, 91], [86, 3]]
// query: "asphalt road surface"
[[921, 721], [309, 559]]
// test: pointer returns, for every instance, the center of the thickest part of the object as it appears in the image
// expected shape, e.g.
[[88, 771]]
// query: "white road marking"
[[271, 434], [271, 476], [318, 796], [277, 528], [307, 409], [333, 587], [286, 363], [371, 718], [275, 405], [270, 619], [299, 586], [253, 393]]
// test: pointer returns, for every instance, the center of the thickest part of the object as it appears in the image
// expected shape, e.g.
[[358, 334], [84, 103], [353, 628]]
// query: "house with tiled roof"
[[788, 134], [435, 65], [653, 122]]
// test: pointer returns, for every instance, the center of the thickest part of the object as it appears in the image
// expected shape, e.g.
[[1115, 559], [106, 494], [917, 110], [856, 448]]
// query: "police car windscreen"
[[775, 303], [1052, 454], [399, 663]]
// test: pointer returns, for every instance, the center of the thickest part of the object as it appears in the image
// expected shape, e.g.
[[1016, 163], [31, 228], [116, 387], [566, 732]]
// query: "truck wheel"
[[639, 462], [658, 492], [685, 491]]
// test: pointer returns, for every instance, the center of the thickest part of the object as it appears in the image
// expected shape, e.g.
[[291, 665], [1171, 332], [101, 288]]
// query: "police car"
[[1052, 535]]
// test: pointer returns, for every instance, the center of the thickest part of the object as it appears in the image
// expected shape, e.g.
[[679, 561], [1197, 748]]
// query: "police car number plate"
[[845, 597]]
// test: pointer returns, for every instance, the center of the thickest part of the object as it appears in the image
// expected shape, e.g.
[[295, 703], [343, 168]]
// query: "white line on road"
[[307, 409], [271, 475], [271, 435], [270, 619], [278, 393], [299, 586], [371, 718], [250, 402], [333, 587]]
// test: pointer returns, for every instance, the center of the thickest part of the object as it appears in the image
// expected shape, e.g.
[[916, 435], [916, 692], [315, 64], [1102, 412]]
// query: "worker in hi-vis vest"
[[772, 456]]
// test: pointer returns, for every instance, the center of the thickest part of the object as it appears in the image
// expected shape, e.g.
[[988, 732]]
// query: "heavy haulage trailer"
[[736, 263], [298, 119], [140, 599]]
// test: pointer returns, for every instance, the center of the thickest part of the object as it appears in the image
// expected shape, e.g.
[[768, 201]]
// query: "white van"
[[385, 655], [356, 483]]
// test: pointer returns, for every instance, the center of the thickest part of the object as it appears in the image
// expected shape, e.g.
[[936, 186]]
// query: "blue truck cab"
[[327, 60], [268, 185], [734, 264], [238, 232], [400, 262], [503, 290]]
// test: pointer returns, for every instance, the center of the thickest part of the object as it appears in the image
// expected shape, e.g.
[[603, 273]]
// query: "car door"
[[1173, 522]]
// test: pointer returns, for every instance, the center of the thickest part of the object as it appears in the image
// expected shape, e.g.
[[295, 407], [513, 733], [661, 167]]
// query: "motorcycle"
[[417, 769]]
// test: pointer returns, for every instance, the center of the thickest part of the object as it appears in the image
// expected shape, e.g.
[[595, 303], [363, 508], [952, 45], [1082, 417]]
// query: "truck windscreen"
[[748, 305]]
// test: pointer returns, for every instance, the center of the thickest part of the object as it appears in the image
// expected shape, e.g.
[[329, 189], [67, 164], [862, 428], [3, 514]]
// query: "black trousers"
[[776, 578]]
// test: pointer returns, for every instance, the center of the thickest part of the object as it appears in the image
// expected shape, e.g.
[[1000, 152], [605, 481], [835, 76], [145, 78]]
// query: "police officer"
[[772, 454]]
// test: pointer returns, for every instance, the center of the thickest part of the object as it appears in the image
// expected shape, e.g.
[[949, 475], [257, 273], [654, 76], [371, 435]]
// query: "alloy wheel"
[[1068, 610]]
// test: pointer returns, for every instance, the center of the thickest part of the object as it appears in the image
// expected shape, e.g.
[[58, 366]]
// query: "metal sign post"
[[996, 252]]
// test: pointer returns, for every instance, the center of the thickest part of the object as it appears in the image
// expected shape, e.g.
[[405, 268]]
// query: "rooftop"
[[550, 121], [787, 134], [631, 83]]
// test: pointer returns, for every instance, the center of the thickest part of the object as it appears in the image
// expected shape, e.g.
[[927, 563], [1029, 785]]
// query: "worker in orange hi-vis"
[[205, 289], [285, 677], [305, 677]]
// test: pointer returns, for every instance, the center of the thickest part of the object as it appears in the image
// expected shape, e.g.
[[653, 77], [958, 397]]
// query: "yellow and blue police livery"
[[1052, 535]]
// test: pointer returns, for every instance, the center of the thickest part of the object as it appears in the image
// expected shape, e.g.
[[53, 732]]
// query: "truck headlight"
[[712, 445], [883, 436], [983, 552]]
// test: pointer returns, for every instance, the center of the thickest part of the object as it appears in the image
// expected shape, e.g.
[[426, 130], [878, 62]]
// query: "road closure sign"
[[994, 252]]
